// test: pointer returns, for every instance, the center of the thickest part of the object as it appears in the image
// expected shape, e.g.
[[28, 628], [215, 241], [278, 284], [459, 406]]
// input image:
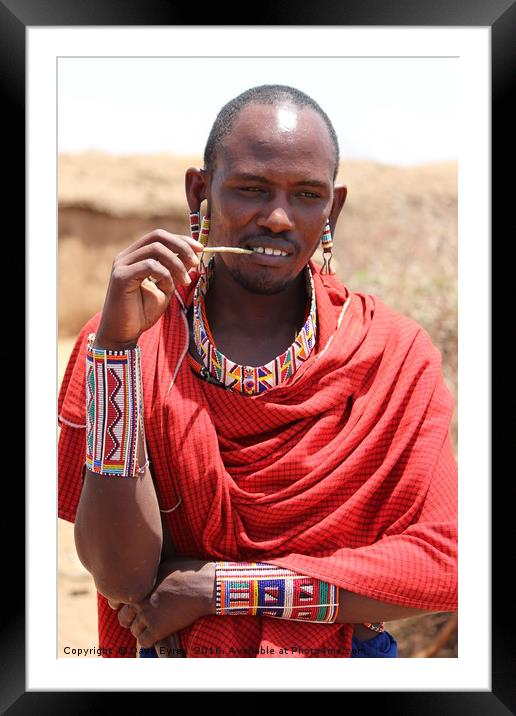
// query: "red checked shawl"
[[345, 472]]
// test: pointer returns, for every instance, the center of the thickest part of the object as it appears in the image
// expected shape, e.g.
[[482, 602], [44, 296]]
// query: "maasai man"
[[256, 458]]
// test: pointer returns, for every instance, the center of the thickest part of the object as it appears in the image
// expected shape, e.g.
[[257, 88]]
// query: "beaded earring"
[[327, 244], [205, 230], [200, 233], [195, 218]]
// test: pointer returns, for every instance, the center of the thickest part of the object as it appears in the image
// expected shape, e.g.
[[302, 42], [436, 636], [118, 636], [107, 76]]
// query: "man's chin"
[[265, 284]]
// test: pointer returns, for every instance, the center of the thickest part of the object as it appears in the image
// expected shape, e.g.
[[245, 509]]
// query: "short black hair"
[[264, 94]]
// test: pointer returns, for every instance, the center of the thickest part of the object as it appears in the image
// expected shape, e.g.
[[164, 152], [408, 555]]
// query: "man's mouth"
[[268, 251], [272, 259], [264, 246]]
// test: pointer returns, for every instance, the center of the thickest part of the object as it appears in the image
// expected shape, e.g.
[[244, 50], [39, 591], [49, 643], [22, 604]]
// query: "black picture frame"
[[500, 16]]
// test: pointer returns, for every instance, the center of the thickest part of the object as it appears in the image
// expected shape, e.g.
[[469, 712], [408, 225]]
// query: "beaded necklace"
[[250, 380]]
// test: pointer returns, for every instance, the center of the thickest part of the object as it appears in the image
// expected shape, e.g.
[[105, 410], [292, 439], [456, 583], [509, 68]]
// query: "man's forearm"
[[186, 591], [354, 608], [357, 609], [118, 534]]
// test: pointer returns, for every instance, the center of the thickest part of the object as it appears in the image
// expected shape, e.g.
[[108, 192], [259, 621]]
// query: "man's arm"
[[118, 534], [352, 608], [187, 591], [118, 531], [356, 609]]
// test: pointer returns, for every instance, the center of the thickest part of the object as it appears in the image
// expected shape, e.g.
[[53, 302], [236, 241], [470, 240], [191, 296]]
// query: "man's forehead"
[[251, 169], [256, 120], [287, 119], [271, 134]]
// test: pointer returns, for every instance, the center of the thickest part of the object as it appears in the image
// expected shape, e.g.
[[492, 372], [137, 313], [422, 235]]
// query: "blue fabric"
[[383, 645]]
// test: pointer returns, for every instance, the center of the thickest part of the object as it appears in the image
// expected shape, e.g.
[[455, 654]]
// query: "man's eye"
[[309, 195]]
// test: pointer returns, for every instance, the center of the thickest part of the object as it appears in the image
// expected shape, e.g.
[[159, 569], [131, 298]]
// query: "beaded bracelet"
[[114, 411], [376, 626], [258, 588]]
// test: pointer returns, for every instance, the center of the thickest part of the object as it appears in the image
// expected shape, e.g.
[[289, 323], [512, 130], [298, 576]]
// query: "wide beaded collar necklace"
[[250, 380]]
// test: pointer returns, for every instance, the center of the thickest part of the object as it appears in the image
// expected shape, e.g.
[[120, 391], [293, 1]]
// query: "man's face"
[[271, 188]]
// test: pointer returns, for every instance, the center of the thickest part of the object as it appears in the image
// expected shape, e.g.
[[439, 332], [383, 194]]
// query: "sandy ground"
[[77, 598]]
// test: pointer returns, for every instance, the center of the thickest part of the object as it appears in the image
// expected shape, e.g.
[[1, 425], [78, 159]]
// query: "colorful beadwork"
[[327, 245], [377, 626], [195, 219], [326, 238], [250, 380], [261, 589], [114, 411], [205, 231]]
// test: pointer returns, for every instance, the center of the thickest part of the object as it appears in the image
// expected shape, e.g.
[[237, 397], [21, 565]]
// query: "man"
[[268, 468]]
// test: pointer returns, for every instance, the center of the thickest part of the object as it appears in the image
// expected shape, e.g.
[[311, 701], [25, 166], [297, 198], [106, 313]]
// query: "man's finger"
[[114, 605], [138, 627], [126, 616], [146, 638]]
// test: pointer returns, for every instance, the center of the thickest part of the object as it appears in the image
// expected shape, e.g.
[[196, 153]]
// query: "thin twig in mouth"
[[227, 250], [217, 249], [222, 250]]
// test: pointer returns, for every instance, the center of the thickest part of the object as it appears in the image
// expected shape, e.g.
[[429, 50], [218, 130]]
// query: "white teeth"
[[269, 251]]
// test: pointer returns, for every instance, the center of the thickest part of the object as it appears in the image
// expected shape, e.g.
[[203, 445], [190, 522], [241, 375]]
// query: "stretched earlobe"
[[195, 188]]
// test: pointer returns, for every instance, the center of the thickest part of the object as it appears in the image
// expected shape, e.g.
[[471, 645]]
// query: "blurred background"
[[129, 127]]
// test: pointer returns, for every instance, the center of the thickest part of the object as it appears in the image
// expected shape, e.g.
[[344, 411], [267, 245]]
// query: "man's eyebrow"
[[245, 176]]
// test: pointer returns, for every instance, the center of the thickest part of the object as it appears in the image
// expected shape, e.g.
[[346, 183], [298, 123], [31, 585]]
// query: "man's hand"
[[142, 282], [185, 593]]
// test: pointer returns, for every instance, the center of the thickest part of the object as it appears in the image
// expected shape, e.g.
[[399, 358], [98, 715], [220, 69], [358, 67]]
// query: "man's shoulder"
[[397, 327]]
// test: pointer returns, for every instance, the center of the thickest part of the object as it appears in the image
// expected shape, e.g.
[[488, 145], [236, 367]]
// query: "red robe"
[[345, 472]]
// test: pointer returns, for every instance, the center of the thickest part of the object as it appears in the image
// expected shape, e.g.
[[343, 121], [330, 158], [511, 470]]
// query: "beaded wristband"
[[258, 588], [114, 411]]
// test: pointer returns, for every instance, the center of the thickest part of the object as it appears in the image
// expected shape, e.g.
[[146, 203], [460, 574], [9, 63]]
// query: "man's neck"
[[228, 304]]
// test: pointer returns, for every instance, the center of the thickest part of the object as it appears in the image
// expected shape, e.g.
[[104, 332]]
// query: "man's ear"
[[339, 197], [196, 181]]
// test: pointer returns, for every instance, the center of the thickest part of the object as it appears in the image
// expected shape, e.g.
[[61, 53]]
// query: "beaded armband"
[[114, 411], [258, 588]]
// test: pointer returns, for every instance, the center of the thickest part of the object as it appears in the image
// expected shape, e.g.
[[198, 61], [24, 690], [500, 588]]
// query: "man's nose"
[[276, 220]]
